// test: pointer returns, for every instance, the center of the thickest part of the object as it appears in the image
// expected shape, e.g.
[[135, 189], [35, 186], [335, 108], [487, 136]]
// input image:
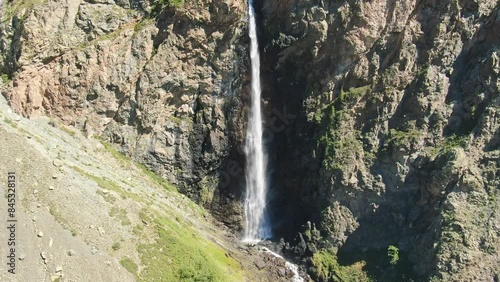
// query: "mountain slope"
[[87, 213]]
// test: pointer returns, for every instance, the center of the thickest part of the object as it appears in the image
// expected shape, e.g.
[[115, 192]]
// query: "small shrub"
[[450, 143], [393, 254], [121, 215], [116, 246], [399, 139], [129, 265], [5, 78], [353, 94], [137, 230], [325, 267]]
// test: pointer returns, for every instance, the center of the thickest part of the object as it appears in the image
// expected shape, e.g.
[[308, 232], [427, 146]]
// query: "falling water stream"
[[256, 223], [257, 226]]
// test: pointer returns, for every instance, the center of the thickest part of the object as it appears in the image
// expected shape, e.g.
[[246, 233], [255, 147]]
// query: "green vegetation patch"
[[339, 147], [5, 78], [179, 254], [10, 122], [402, 139], [337, 141], [162, 4], [116, 246], [129, 265], [393, 254], [142, 24], [126, 162], [15, 7], [120, 214], [449, 144], [156, 178], [353, 94], [58, 216], [107, 196], [137, 230], [67, 130], [325, 267], [107, 184]]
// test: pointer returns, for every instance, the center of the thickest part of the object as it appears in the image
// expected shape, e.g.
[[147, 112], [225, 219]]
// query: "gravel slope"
[[79, 206]]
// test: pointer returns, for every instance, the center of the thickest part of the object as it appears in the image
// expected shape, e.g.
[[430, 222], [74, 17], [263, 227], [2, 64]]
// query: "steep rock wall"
[[165, 85], [396, 135]]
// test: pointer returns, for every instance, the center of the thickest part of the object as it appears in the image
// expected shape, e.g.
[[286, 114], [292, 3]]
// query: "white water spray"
[[256, 223]]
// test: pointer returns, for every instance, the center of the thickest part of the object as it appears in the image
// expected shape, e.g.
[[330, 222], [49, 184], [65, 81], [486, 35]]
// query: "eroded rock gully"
[[382, 115]]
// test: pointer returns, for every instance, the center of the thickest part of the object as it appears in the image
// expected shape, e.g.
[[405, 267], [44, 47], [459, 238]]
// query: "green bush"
[[129, 265], [450, 143], [325, 267], [398, 138], [5, 78], [116, 246], [353, 94], [121, 215], [393, 254]]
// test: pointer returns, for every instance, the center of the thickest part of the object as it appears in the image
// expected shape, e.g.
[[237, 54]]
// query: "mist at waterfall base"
[[257, 225]]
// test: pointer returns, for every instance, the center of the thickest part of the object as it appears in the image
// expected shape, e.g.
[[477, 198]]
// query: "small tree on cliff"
[[393, 254]]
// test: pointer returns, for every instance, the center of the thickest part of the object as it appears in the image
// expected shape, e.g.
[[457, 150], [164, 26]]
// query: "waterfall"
[[256, 223]]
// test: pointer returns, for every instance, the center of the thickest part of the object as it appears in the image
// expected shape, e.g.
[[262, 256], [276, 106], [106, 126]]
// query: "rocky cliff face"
[[382, 115], [165, 85], [396, 140]]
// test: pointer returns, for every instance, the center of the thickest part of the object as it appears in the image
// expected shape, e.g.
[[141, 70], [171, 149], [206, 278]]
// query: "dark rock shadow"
[[467, 85]]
